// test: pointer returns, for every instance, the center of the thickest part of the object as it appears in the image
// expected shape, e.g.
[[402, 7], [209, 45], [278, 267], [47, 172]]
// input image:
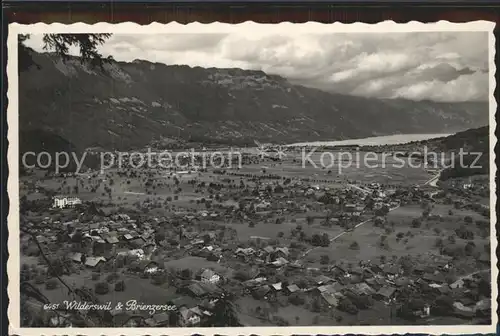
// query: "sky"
[[446, 66]]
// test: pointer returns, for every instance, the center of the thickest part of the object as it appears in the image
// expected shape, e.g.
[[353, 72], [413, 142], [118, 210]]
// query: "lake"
[[395, 139]]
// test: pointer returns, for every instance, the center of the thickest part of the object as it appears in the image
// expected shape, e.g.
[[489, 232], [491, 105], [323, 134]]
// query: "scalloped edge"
[[218, 27]]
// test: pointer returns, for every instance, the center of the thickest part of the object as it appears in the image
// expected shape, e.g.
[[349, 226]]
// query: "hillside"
[[472, 141], [132, 104]]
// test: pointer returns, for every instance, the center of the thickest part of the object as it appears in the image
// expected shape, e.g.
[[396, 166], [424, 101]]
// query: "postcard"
[[252, 178]]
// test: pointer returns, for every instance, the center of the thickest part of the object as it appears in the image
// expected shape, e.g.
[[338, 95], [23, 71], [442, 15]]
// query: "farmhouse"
[[209, 276]]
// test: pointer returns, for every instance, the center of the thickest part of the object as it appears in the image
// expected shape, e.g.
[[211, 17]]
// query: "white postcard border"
[[13, 263]]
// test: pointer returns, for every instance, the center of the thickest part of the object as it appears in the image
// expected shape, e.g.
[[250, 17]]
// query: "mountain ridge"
[[132, 104]]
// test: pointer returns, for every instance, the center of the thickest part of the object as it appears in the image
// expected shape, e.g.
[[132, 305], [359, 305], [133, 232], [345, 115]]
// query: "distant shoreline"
[[396, 139]]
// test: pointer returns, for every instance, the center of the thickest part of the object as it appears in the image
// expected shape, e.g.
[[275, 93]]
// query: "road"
[[366, 191], [468, 276], [433, 181], [343, 233]]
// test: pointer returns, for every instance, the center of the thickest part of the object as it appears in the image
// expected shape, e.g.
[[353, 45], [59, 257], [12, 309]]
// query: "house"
[[158, 320], [268, 249], [402, 282], [296, 264], [354, 279], [183, 301], [244, 251], [292, 289], [391, 270], [254, 282], [386, 293], [279, 262], [483, 307], [137, 242], [195, 290], [340, 270], [281, 252], [437, 278], [375, 266], [349, 207], [277, 286], [190, 317], [466, 301], [323, 280], [363, 289], [419, 270], [148, 266], [261, 292], [109, 238], [415, 309], [376, 282], [209, 276], [331, 288], [76, 257], [440, 288], [62, 202], [94, 262], [330, 298], [463, 311], [128, 236]]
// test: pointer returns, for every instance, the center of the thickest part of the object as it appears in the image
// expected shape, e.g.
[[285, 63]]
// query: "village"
[[262, 244]]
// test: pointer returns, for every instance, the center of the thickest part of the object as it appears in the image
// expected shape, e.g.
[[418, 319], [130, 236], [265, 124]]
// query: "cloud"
[[448, 66], [470, 86]]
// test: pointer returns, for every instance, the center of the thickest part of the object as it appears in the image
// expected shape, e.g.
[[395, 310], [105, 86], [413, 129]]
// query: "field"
[[415, 242], [135, 289]]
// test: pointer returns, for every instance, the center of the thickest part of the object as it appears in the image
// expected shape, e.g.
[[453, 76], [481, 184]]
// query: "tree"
[[469, 248], [346, 305], [379, 221], [484, 287], [416, 223], [383, 211], [241, 276], [51, 284], [224, 312], [325, 240], [60, 43], [57, 268], [354, 245], [310, 220], [316, 305], [296, 299], [406, 264], [120, 286], [186, 273], [464, 233], [159, 236], [444, 304], [101, 288], [316, 240], [324, 259]]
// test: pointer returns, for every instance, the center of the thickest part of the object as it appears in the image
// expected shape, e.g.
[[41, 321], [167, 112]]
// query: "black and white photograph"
[[312, 177]]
